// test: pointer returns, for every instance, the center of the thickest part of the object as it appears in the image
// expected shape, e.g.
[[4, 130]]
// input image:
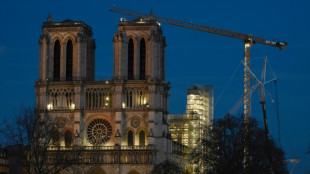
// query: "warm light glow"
[[107, 98], [123, 105], [247, 45], [49, 106], [106, 82], [72, 106]]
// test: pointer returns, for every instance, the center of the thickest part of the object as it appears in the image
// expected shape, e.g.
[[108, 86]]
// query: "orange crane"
[[248, 39]]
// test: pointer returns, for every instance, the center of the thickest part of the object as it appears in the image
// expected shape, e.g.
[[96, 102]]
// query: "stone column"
[[63, 60], [50, 61], [137, 59], [43, 58]]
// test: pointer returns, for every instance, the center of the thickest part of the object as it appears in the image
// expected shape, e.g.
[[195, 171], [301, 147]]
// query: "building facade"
[[4, 162], [120, 124]]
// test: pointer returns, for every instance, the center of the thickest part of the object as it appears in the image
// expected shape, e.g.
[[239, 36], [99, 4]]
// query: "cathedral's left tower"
[[67, 51], [67, 61]]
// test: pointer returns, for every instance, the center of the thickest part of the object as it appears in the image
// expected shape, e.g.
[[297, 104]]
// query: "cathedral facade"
[[120, 124]]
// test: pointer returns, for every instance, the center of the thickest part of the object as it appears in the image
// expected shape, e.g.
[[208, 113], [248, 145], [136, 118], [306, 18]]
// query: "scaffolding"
[[187, 129]]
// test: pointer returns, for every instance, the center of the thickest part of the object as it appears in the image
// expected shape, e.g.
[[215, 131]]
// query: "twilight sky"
[[192, 57]]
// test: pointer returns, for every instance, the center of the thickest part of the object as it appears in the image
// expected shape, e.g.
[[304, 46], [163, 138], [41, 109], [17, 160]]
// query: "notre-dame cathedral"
[[121, 123]]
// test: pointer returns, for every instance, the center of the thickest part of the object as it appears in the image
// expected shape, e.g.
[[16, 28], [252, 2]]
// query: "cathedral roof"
[[66, 23], [147, 21]]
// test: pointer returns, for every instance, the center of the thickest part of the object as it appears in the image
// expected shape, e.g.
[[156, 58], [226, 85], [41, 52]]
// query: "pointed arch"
[[55, 138], [68, 138], [130, 138], [142, 138], [142, 58], [56, 73], [69, 62], [130, 59]]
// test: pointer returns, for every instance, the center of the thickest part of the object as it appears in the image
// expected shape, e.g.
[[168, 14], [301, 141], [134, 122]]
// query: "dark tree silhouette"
[[32, 135], [167, 167], [224, 144]]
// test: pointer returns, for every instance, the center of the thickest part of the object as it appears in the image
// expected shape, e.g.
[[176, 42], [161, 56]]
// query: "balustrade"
[[98, 98], [102, 154]]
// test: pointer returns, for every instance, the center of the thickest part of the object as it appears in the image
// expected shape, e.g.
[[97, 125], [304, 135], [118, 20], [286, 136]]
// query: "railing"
[[102, 155], [68, 148]]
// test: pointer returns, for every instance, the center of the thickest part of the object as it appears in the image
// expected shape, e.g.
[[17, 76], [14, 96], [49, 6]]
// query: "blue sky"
[[192, 57]]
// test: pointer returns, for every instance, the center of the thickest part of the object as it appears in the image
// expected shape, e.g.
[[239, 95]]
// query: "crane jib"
[[246, 37]]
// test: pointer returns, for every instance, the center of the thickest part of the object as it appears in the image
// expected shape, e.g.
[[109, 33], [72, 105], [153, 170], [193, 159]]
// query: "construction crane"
[[248, 39], [261, 86]]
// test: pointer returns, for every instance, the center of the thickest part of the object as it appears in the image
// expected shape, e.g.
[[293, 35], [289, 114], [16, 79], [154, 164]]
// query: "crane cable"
[[288, 140], [277, 112], [227, 84]]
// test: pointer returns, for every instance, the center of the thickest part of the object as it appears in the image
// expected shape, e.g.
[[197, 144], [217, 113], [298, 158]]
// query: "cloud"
[[2, 50]]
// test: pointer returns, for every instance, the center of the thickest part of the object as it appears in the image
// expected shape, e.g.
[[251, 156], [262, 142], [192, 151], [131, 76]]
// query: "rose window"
[[135, 123], [99, 131]]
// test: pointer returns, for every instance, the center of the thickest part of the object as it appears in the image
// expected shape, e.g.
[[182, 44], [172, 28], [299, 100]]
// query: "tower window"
[[69, 61], [57, 61], [130, 138], [141, 138], [142, 59], [130, 59]]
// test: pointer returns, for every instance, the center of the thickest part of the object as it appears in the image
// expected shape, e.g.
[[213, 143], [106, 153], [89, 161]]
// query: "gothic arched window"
[[130, 138], [68, 138], [69, 61], [129, 99], [57, 61], [55, 140], [130, 59], [142, 59], [141, 138]]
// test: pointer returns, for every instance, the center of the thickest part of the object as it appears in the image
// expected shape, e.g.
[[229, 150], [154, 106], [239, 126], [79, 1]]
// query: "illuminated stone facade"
[[118, 124]]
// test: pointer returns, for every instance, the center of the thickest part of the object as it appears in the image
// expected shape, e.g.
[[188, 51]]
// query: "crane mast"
[[248, 39]]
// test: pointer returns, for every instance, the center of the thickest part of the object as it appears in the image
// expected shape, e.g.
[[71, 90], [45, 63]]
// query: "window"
[[57, 61], [69, 61], [99, 131], [55, 139], [130, 59], [141, 138], [142, 59], [68, 138], [130, 138], [69, 99], [129, 99]]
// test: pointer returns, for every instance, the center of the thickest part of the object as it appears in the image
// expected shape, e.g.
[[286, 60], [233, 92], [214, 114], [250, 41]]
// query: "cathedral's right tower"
[[139, 76], [139, 51]]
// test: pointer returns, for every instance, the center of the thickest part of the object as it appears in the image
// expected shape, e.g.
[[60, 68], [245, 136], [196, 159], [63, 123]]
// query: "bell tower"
[[67, 51], [139, 77], [139, 50]]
